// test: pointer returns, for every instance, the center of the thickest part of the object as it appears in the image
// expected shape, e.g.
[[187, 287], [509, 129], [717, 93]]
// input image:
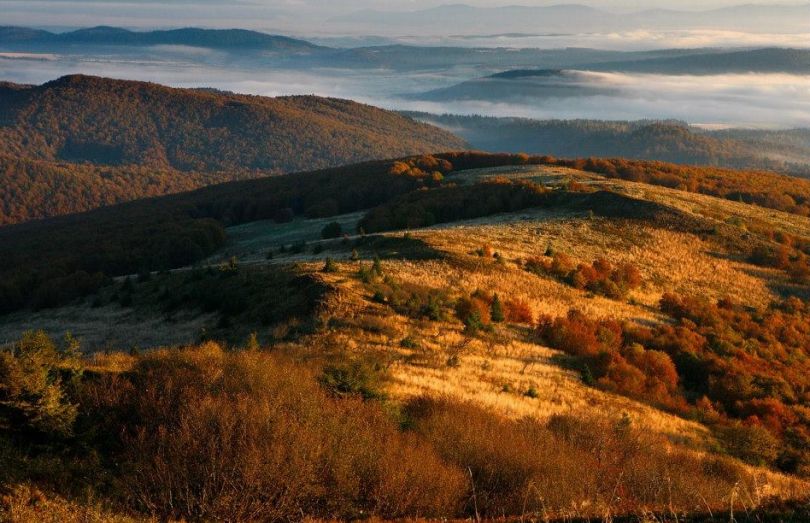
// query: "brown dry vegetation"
[[481, 407]]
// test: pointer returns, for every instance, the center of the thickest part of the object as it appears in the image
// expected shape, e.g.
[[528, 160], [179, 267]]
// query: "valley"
[[368, 261]]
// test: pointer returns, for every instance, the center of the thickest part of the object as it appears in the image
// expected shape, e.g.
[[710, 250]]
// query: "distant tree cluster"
[[600, 277], [765, 189], [666, 141], [446, 204]]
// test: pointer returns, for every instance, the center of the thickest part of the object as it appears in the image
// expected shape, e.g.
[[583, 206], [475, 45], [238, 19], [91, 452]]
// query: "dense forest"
[[669, 141], [81, 142]]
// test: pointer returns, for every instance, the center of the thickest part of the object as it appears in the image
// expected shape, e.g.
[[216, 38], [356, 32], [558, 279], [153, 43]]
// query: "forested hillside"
[[80, 142], [668, 141]]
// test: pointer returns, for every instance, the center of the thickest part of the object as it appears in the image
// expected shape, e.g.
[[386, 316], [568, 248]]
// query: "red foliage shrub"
[[600, 277], [518, 311]]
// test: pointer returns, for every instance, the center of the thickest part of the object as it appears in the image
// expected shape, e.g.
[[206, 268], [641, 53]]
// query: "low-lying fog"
[[747, 100]]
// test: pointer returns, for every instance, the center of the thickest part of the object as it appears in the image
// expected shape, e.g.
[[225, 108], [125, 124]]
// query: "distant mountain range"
[[524, 84], [80, 142], [670, 141], [261, 49], [768, 60], [209, 38], [573, 18], [257, 46]]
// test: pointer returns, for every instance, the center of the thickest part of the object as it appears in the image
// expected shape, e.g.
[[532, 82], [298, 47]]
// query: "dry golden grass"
[[497, 370], [494, 372], [26, 504]]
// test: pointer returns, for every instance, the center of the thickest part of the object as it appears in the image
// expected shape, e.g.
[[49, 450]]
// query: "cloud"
[[624, 40], [750, 100], [745, 100]]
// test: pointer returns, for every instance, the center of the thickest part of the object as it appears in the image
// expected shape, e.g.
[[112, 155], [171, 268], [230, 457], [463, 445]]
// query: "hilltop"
[[80, 142]]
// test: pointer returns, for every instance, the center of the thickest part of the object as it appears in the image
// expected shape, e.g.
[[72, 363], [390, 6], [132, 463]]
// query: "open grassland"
[[506, 424]]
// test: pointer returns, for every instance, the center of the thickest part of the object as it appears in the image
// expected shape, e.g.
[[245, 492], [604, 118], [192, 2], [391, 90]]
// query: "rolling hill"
[[669, 141], [79, 142], [522, 328]]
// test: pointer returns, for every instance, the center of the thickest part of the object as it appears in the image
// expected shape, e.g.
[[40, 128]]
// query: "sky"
[[266, 14]]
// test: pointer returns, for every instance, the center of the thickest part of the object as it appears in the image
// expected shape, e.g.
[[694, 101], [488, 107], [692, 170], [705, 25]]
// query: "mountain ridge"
[[78, 142], [192, 36]]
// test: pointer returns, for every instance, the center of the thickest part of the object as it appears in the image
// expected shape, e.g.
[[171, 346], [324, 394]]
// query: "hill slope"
[[534, 320], [669, 141], [50, 133]]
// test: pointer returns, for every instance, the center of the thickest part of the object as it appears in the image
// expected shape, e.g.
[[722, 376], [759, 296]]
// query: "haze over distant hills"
[[669, 141], [465, 19]]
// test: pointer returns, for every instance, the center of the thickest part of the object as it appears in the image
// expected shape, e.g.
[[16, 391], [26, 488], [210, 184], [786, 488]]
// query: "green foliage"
[[35, 377], [330, 266], [252, 342], [496, 310], [409, 342], [473, 324], [358, 378]]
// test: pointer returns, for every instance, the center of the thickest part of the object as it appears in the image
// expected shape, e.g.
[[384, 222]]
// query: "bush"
[[330, 266], [331, 230], [35, 377], [496, 310], [518, 311], [212, 435], [353, 379], [750, 443], [601, 277]]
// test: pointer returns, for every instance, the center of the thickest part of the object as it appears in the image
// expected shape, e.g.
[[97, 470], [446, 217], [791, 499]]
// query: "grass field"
[[505, 372]]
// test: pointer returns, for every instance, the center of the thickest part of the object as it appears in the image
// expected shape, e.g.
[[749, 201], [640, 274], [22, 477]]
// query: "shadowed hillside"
[[152, 140]]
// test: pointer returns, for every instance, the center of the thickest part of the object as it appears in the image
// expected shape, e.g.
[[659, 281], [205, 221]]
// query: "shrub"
[[35, 376], [518, 311], [212, 435], [356, 378], [474, 313], [496, 310], [331, 230], [520, 467], [330, 266], [601, 277], [751, 443]]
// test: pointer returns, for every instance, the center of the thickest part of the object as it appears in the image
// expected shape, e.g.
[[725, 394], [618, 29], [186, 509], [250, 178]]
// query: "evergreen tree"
[[496, 310]]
